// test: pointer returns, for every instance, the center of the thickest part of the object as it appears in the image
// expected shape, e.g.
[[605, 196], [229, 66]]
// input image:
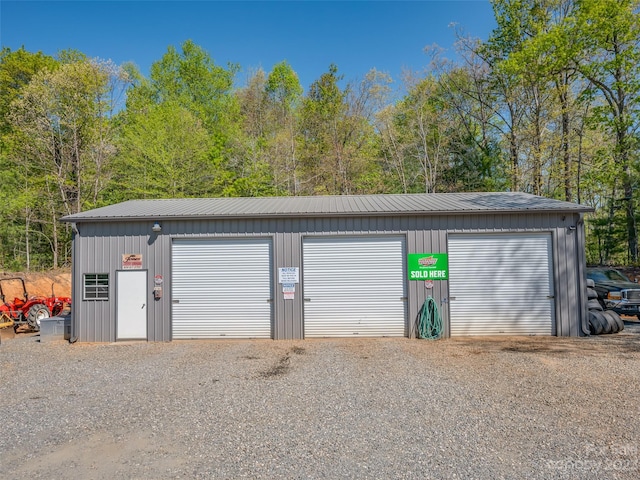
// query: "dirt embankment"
[[38, 284]]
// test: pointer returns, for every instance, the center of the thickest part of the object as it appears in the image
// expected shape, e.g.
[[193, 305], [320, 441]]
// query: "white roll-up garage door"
[[221, 288], [501, 284], [354, 286]]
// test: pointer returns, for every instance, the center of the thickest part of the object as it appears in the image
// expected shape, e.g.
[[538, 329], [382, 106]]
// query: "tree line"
[[549, 104]]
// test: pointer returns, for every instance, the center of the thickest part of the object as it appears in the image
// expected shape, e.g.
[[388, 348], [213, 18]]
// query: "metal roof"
[[323, 206]]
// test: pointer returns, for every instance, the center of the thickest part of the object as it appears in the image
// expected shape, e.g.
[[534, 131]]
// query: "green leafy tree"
[[588, 50], [17, 246], [337, 137], [252, 170], [16, 70], [476, 159], [189, 81], [415, 137], [284, 94], [163, 153], [62, 143], [544, 60], [445, 134], [190, 78], [608, 33], [518, 22]]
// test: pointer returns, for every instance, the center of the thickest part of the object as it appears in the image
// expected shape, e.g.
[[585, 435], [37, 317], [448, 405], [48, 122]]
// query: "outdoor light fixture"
[[157, 228]]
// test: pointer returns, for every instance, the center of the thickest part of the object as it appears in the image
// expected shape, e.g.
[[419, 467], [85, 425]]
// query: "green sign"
[[428, 266]]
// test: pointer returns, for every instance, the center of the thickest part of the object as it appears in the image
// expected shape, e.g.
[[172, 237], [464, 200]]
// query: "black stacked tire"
[[606, 326], [612, 327], [596, 325], [601, 321], [615, 321], [594, 304]]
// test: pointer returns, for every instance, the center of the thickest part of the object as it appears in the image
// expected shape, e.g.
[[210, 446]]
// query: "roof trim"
[[68, 219]]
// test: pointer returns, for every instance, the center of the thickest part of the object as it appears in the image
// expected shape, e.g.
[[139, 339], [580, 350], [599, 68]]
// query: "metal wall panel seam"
[[556, 281]]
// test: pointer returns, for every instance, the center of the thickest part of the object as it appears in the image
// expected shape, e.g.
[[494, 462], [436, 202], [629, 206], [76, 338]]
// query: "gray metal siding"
[[99, 246], [578, 264], [287, 253], [569, 274]]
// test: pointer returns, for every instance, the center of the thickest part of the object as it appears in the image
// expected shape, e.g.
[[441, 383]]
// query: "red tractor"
[[28, 310]]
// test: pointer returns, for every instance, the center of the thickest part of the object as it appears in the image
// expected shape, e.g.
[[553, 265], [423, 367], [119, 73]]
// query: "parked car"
[[615, 291]]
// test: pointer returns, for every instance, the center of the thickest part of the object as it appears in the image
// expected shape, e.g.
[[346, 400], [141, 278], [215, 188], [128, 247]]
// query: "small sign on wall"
[[131, 261], [428, 266], [288, 275], [288, 291]]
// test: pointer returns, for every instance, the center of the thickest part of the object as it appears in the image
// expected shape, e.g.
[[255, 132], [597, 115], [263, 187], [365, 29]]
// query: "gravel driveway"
[[365, 408]]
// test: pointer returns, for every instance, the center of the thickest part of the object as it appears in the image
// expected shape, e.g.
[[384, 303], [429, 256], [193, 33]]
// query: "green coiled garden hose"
[[429, 321]]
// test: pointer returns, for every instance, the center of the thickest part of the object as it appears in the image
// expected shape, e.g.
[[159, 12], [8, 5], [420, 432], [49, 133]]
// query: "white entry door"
[[131, 310]]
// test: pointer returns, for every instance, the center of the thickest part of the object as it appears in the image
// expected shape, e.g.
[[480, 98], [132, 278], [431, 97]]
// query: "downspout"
[[75, 231], [582, 274]]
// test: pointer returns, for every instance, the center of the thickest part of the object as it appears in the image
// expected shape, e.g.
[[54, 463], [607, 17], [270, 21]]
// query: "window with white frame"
[[96, 286]]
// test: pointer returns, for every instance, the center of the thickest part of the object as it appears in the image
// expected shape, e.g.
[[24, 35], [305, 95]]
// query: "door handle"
[[143, 305]]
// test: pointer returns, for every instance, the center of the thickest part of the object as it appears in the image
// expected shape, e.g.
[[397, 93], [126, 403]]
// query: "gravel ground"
[[366, 408]]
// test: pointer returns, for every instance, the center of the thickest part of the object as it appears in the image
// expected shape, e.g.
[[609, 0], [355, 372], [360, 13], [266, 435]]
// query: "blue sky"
[[310, 35]]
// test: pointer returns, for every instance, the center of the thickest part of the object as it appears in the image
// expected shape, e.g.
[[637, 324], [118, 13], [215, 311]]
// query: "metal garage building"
[[302, 267]]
